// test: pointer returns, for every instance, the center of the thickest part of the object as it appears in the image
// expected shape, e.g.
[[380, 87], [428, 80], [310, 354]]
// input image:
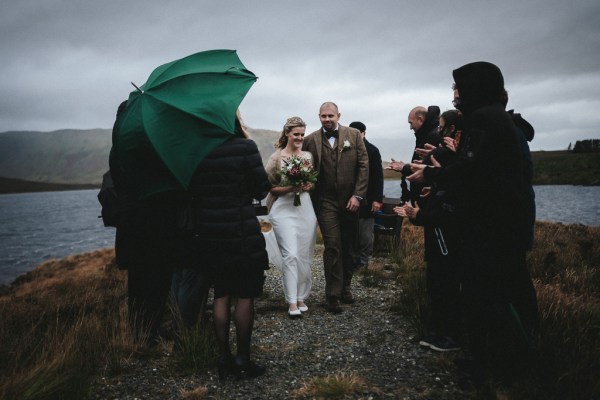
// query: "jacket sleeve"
[[362, 173], [255, 172], [376, 171]]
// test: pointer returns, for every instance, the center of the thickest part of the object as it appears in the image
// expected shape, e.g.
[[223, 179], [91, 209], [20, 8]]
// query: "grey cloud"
[[69, 64]]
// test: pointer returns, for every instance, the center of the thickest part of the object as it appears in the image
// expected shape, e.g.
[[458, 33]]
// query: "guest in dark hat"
[[373, 202]]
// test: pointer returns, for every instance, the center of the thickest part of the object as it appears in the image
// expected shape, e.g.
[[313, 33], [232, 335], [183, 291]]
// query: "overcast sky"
[[68, 64]]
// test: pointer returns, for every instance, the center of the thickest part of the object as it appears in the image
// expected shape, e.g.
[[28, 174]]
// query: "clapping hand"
[[395, 165], [418, 169], [424, 152], [450, 143], [407, 210]]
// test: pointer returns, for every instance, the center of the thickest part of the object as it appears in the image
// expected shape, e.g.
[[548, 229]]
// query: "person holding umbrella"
[[145, 245], [181, 155]]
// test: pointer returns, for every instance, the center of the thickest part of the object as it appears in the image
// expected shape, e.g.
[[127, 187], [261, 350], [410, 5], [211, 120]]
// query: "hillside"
[[560, 167], [565, 167], [66, 156], [71, 156], [80, 157]]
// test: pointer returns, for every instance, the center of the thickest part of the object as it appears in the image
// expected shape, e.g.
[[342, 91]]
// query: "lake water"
[[35, 227]]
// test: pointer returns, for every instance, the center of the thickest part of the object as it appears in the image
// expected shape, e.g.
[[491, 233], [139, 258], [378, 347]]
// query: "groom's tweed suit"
[[343, 173]]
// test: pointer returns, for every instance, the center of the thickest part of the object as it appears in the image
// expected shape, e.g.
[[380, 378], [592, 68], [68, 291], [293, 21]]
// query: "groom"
[[341, 159]]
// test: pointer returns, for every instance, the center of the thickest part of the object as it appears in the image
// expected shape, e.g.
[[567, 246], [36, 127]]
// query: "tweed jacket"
[[352, 164]]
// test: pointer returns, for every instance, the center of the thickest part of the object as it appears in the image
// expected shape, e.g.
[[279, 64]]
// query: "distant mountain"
[[66, 156], [72, 156]]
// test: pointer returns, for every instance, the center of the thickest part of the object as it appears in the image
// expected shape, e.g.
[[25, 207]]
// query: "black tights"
[[243, 317]]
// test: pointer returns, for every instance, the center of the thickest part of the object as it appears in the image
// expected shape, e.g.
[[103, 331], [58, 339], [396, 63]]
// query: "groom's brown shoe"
[[333, 305]]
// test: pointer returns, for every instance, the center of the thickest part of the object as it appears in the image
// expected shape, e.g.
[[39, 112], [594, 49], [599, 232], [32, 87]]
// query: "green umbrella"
[[185, 109]]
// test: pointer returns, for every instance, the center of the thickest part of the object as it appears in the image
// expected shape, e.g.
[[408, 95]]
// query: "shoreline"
[[15, 186], [23, 276]]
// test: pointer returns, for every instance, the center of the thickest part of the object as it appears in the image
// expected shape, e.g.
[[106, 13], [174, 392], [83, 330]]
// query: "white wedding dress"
[[294, 229]]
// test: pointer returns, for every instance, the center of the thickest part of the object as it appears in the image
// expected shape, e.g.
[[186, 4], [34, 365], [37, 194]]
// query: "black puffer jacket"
[[225, 230]]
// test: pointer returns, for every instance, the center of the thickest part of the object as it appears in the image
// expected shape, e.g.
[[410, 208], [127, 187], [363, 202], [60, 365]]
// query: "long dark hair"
[[240, 129], [451, 117]]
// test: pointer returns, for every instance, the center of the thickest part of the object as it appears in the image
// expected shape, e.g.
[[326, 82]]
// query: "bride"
[[294, 226]]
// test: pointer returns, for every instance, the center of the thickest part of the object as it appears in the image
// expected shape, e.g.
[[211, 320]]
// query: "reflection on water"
[[557, 203], [38, 226], [35, 227]]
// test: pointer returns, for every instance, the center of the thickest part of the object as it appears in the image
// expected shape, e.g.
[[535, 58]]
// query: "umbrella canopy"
[[185, 109]]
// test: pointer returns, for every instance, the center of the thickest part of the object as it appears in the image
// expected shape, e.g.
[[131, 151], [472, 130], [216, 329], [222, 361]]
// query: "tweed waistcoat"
[[328, 171]]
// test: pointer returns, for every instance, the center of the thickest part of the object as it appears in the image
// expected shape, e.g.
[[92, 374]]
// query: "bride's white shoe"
[[303, 308], [294, 313]]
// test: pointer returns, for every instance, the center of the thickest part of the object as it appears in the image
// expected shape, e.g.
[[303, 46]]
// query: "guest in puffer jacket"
[[224, 246]]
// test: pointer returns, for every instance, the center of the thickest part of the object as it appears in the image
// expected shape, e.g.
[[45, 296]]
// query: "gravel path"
[[367, 342]]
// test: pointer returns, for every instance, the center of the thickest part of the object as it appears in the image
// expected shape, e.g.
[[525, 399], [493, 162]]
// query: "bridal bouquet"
[[297, 171]]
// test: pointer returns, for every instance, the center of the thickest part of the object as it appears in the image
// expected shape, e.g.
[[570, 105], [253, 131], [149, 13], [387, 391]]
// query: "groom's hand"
[[353, 204]]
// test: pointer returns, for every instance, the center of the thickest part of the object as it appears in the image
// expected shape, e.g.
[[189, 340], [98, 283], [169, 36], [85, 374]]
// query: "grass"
[[196, 349], [65, 323], [337, 386], [565, 267], [61, 324]]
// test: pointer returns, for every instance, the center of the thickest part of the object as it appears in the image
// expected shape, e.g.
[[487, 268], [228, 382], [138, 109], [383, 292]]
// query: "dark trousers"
[[364, 248], [499, 300], [339, 228], [148, 286], [443, 290], [190, 290]]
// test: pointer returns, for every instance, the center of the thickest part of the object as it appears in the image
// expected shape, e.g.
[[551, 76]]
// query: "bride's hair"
[[291, 123]]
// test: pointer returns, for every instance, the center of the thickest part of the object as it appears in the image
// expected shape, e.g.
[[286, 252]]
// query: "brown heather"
[[64, 326], [565, 267]]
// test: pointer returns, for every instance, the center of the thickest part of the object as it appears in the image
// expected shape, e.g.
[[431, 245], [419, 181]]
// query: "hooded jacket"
[[488, 176]]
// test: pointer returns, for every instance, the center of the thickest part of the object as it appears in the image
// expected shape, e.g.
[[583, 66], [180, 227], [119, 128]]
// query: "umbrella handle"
[[135, 86]]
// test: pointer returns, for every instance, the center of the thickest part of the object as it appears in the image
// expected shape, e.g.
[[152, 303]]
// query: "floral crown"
[[293, 122]]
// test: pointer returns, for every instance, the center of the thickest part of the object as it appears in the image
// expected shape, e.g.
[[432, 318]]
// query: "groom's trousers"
[[339, 228]]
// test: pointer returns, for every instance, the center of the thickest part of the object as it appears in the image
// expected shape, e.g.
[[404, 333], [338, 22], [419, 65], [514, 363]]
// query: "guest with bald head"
[[424, 123]]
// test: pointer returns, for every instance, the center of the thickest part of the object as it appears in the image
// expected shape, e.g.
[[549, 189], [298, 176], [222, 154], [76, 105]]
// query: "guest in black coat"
[[372, 202], [224, 243], [488, 181], [145, 245], [438, 216]]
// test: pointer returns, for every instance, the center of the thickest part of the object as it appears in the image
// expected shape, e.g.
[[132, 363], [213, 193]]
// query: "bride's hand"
[[307, 187]]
